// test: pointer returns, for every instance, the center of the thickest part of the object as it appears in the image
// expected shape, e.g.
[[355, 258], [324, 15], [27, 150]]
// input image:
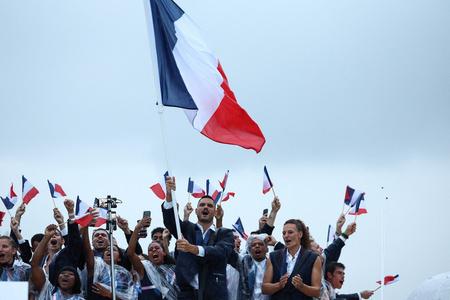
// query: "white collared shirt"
[[290, 261]]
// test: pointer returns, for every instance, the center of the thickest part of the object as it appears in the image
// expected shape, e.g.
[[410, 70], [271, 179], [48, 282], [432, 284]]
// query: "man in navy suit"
[[203, 250], [335, 276]]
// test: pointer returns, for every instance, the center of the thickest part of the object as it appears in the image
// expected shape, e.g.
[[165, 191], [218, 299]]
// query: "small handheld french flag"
[[223, 183], [240, 228], [83, 217], [2, 214], [160, 188], [352, 196], [11, 199], [28, 190], [56, 190], [195, 190], [267, 183], [212, 191], [390, 279]]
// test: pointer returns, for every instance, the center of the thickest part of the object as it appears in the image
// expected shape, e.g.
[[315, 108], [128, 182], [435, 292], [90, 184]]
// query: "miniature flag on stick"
[[2, 214], [331, 234], [390, 279], [351, 197], [56, 190], [11, 199], [267, 183], [240, 228], [28, 191], [223, 183], [359, 208], [83, 217], [195, 190], [227, 196], [160, 188], [212, 191]]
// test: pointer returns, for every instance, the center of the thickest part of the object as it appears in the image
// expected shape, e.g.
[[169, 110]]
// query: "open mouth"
[[2, 255], [53, 242], [258, 251], [65, 280], [205, 212], [341, 282]]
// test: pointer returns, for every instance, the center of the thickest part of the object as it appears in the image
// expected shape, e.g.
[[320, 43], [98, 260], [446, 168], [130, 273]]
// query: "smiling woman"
[[293, 272]]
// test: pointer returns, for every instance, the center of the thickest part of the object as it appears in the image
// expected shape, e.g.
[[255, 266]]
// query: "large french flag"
[[192, 78], [56, 190], [11, 199], [28, 190]]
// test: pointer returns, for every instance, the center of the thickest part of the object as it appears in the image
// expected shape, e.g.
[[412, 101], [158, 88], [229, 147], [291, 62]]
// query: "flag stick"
[[273, 192], [9, 213], [152, 46], [348, 210], [355, 217], [54, 202], [63, 223], [343, 206], [376, 289]]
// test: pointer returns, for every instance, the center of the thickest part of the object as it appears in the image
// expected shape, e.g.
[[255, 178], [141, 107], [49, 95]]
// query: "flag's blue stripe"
[[173, 88]]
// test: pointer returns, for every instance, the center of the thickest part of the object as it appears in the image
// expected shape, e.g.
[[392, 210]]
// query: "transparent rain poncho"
[[47, 293], [123, 278], [19, 271], [162, 278]]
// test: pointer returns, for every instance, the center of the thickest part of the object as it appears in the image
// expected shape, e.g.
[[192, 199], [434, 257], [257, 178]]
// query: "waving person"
[[157, 275]]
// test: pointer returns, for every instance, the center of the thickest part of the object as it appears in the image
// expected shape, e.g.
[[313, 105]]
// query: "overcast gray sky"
[[346, 93]]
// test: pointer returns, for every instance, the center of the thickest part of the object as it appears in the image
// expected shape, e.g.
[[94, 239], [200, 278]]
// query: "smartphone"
[[265, 211], [143, 230]]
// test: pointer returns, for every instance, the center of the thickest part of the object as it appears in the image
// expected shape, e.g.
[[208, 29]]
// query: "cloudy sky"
[[346, 93]]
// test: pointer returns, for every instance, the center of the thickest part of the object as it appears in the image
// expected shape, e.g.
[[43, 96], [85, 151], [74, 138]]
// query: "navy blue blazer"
[[211, 268]]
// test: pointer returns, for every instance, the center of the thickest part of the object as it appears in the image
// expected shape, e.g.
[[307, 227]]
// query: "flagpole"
[[377, 289], [383, 240], [150, 30], [9, 213]]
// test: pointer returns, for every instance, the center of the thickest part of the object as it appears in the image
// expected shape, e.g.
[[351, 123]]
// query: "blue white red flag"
[[389, 279], [83, 217], [223, 183], [240, 228], [359, 207], [160, 188], [56, 190], [267, 183], [213, 192], [2, 214], [195, 190], [103, 215], [331, 234], [227, 196], [11, 199], [191, 77], [28, 190], [352, 196]]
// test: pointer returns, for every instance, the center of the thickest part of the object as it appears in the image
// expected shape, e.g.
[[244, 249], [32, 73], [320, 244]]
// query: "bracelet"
[[72, 215], [338, 233], [345, 235], [301, 287]]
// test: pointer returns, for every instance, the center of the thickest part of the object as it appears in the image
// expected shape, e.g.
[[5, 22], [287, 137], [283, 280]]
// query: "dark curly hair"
[[305, 240]]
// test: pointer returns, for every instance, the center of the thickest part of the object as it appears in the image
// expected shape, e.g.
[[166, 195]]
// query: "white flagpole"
[[383, 239], [150, 30]]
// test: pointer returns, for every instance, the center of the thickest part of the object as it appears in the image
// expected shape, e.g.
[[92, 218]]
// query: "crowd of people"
[[209, 261]]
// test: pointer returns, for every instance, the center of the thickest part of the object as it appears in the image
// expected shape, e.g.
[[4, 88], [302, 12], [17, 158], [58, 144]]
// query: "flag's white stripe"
[[27, 187], [198, 67]]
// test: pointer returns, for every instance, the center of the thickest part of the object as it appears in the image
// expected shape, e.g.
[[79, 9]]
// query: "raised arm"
[[219, 216], [37, 273], [123, 224], [276, 205], [89, 254], [187, 211], [137, 264]]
